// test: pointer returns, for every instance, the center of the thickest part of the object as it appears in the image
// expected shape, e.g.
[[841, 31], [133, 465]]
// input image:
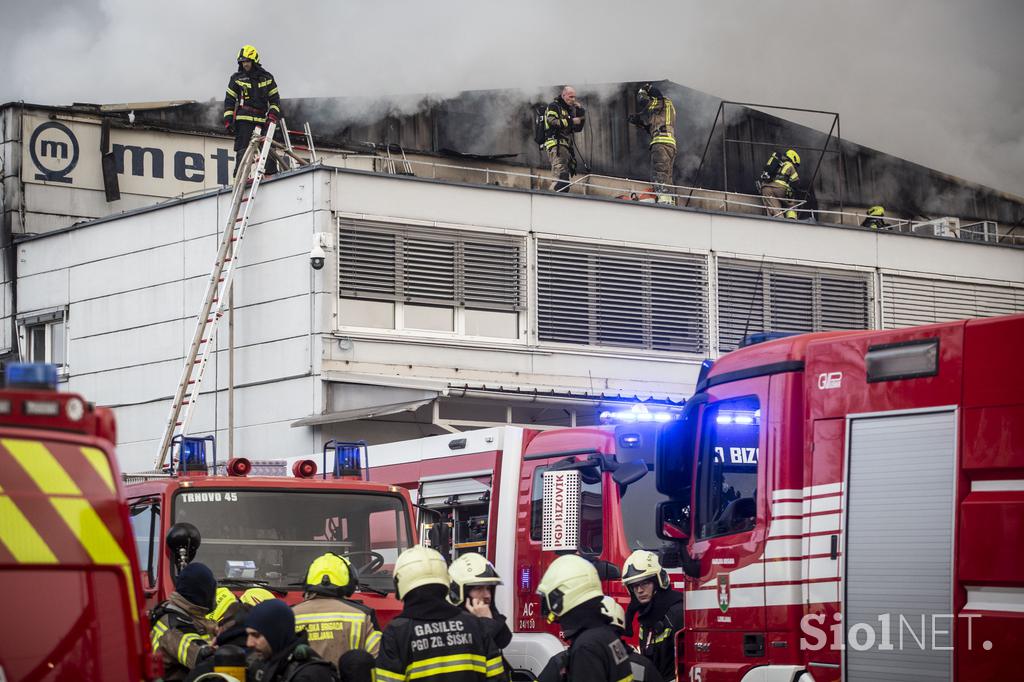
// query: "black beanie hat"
[[356, 665], [275, 621], [197, 584]]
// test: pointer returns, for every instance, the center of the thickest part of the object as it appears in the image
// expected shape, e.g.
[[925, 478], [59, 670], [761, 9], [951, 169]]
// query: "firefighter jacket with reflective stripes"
[[250, 96], [659, 120], [786, 175], [558, 125], [433, 641], [659, 619], [596, 653], [335, 627], [180, 634]]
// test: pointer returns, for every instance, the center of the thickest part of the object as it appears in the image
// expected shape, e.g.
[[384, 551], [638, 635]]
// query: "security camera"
[[317, 254]]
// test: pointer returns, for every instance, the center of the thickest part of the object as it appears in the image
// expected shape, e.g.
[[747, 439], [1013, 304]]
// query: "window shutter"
[[757, 297], [432, 266], [909, 301], [630, 298]]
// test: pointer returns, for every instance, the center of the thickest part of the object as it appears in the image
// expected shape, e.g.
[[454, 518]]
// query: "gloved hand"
[[229, 125], [272, 116], [634, 119]]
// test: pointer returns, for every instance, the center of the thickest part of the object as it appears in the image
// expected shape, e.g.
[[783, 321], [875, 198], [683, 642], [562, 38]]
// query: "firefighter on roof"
[[251, 100], [432, 640], [473, 581], [181, 631], [657, 116], [777, 180], [281, 654], [334, 624], [660, 609], [570, 592], [562, 119], [875, 219]]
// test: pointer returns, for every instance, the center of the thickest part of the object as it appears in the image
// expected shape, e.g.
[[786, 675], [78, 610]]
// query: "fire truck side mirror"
[[606, 570], [182, 543], [673, 521], [675, 451], [629, 473]]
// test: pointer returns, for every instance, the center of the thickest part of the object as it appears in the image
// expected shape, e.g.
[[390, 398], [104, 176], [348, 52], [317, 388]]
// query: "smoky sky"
[[934, 81]]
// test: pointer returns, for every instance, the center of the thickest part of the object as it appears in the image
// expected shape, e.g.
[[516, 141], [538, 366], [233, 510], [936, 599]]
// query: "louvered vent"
[[909, 301], [755, 297], [431, 266], [632, 298]]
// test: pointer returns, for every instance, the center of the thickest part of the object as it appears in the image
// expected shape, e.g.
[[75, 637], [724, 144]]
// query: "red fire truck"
[[519, 496], [850, 506], [264, 530], [69, 585]]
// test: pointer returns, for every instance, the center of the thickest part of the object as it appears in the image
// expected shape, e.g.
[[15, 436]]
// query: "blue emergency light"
[[347, 461], [31, 375], [192, 453]]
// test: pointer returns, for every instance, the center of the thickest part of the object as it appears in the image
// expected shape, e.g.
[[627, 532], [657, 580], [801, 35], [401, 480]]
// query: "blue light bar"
[[347, 460], [31, 375], [193, 454], [636, 414]]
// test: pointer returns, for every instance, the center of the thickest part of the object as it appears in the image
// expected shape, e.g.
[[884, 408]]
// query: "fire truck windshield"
[[273, 535]]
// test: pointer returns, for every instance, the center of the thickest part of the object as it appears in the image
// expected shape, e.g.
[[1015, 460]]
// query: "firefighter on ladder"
[[660, 609], [251, 100], [570, 592], [334, 624], [656, 114], [776, 182], [432, 640], [562, 119]]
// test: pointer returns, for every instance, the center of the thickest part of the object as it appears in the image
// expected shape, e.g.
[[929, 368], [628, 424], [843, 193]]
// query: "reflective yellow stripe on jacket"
[[439, 665], [667, 135], [353, 620]]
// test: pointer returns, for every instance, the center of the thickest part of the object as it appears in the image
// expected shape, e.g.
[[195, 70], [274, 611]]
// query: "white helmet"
[[418, 566], [643, 565], [470, 570], [569, 581], [612, 610]]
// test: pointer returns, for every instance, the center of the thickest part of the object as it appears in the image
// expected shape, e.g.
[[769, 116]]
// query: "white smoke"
[[933, 81]]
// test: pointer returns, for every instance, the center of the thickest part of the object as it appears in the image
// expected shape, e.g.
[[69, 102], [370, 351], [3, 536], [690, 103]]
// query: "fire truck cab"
[[850, 506], [520, 496], [68, 570], [265, 530]]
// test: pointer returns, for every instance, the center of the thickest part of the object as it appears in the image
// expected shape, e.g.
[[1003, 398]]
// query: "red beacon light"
[[239, 466], [304, 468]]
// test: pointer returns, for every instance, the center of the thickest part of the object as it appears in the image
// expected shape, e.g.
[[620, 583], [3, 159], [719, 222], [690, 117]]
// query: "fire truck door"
[[727, 610], [144, 514], [898, 570]]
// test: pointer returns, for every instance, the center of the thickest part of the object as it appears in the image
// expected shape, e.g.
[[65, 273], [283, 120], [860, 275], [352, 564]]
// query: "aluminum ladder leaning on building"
[[243, 197]]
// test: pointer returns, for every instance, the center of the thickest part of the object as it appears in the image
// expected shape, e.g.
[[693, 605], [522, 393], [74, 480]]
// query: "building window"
[[599, 295], [770, 297], [44, 338], [404, 277]]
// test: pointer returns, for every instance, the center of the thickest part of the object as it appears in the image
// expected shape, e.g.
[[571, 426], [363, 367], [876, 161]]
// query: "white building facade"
[[445, 305]]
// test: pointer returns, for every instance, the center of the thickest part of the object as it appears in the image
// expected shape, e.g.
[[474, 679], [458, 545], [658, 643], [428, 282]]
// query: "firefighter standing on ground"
[[656, 114], [251, 100], [777, 181], [280, 653], [562, 119], [432, 640], [333, 624], [229, 614], [474, 581], [181, 632], [570, 592], [659, 607]]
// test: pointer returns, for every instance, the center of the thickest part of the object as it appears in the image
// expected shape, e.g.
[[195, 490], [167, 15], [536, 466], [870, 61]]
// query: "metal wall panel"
[[899, 550], [910, 301]]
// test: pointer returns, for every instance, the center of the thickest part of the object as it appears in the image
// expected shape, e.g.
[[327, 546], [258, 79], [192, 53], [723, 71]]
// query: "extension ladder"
[[290, 149], [215, 301]]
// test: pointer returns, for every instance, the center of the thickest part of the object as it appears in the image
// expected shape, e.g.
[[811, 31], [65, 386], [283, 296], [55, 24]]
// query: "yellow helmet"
[[793, 156], [612, 610], [643, 565], [254, 595], [876, 211], [333, 574], [569, 581], [222, 601], [470, 570], [249, 52], [791, 214], [419, 566]]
